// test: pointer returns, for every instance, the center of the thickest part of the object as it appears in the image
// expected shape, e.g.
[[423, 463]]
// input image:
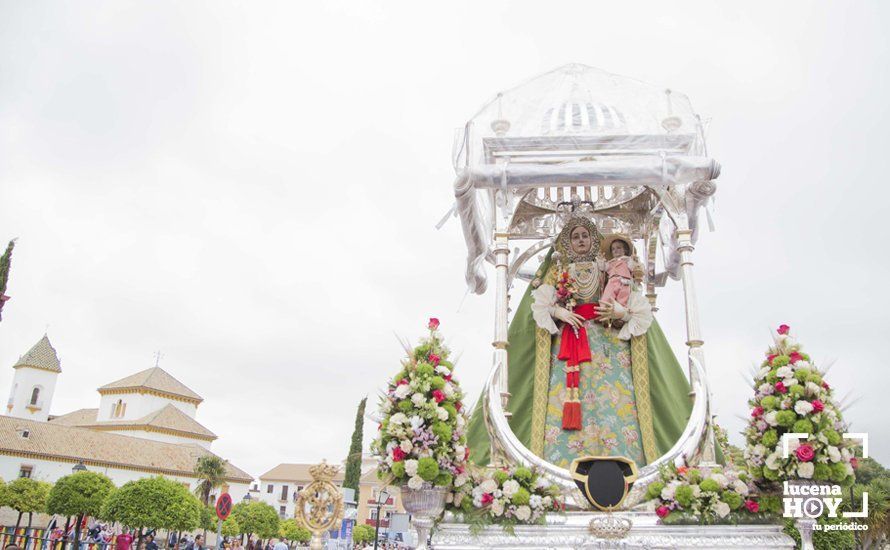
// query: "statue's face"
[[618, 248], [580, 239]]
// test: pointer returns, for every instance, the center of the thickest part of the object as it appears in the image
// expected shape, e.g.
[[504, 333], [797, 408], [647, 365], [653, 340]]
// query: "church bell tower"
[[34, 382]]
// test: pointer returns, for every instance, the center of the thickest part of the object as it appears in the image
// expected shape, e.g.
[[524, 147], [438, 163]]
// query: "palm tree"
[[211, 472]]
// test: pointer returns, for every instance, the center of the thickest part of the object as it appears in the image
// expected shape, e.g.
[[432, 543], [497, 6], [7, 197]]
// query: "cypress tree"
[[5, 261], [354, 460]]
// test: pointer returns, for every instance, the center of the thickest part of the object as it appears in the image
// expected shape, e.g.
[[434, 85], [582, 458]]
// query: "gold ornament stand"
[[319, 507]]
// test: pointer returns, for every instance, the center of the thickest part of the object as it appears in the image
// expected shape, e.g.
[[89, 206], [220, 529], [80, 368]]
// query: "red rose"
[[682, 470], [818, 406], [770, 357], [794, 357], [458, 405], [438, 396], [398, 454], [805, 453], [752, 506], [854, 462], [447, 377], [783, 329], [825, 385], [662, 511], [780, 387], [402, 382], [487, 498], [434, 359], [433, 324], [758, 411]]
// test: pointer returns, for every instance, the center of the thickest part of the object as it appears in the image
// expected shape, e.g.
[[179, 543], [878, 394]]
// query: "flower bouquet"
[[694, 495], [791, 396], [507, 497], [421, 441]]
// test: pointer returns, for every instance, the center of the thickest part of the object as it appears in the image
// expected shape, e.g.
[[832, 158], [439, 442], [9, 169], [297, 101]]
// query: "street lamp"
[[79, 467], [382, 497]]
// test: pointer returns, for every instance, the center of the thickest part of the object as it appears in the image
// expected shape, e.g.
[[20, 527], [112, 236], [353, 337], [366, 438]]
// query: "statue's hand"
[[605, 311], [567, 316]]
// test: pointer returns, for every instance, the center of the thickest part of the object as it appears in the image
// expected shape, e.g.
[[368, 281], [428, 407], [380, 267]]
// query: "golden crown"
[[323, 471]]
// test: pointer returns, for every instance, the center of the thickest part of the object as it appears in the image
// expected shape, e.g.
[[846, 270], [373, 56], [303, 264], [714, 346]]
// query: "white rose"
[[418, 399], [803, 364], [763, 372], [759, 450], [510, 487], [803, 407], [834, 454], [460, 480], [442, 369], [772, 461], [720, 479], [489, 486], [406, 445], [805, 470], [547, 501], [542, 483], [740, 487], [448, 390], [766, 389], [793, 444], [523, 513], [386, 406], [789, 382], [415, 482], [398, 418], [411, 467], [441, 413], [721, 508], [461, 421], [416, 422], [770, 418], [459, 451], [696, 491], [402, 391], [497, 508], [812, 389], [785, 372], [535, 501]]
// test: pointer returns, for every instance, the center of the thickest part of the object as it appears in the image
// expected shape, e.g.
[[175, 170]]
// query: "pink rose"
[[794, 357], [458, 405], [780, 387], [487, 499], [752, 506], [402, 382], [398, 454], [662, 511], [818, 406], [854, 462], [805, 452], [433, 324], [438, 396], [434, 359], [825, 385], [770, 357], [783, 329], [758, 411]]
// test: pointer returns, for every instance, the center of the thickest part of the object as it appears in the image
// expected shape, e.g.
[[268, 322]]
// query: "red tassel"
[[571, 415]]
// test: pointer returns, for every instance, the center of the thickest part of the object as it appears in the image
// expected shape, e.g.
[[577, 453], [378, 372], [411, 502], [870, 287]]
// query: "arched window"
[[35, 395], [119, 408]]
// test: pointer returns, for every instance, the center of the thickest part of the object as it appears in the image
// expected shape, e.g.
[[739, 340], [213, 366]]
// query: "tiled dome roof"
[[41, 356]]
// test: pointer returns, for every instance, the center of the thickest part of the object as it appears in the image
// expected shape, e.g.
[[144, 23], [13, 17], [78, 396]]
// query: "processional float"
[[634, 157]]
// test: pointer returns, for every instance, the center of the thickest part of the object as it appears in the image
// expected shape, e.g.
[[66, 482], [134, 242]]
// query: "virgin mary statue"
[[588, 378]]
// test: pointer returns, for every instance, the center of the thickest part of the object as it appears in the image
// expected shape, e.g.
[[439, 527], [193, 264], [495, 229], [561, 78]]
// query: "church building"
[[144, 425]]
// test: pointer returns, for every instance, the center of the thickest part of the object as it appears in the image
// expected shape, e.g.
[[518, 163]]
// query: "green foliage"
[[354, 460], [290, 530], [824, 540], [26, 495], [230, 527], [80, 493], [257, 518], [5, 261], [154, 502], [208, 518], [211, 472], [521, 497], [363, 534]]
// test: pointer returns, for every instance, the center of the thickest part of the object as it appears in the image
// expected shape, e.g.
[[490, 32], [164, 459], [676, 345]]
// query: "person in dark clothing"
[[150, 543]]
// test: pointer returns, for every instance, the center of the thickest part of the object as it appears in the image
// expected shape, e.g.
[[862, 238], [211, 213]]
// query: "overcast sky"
[[252, 190]]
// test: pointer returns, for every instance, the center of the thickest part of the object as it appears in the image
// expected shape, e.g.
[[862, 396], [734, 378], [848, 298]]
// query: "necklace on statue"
[[586, 277]]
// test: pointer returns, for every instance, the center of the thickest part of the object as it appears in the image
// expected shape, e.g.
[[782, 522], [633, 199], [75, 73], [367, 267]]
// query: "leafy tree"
[[362, 534], [26, 496], [293, 532], [878, 520], [256, 518], [230, 527], [5, 260], [208, 519], [155, 503], [354, 460], [211, 472], [79, 494]]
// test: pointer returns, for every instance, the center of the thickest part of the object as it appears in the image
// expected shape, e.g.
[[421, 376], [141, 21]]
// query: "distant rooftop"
[[41, 356], [153, 379]]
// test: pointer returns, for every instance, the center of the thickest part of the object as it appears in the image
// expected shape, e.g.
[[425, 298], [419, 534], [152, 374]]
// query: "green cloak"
[[668, 387]]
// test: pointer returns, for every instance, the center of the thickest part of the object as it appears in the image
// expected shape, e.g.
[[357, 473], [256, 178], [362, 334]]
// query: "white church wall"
[[139, 405], [51, 471], [23, 384]]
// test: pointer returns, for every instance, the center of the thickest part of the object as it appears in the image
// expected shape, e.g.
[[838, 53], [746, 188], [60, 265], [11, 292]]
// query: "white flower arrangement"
[[699, 496], [506, 497], [421, 441], [794, 398]]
